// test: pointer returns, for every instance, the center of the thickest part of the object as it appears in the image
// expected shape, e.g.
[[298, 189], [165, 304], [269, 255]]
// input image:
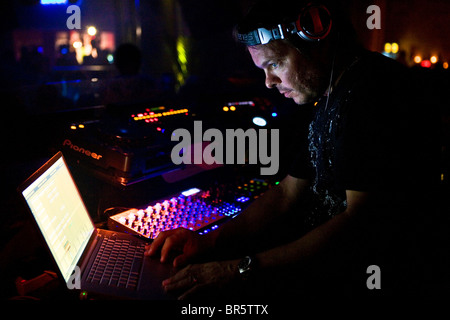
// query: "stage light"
[[77, 44], [394, 48], [433, 59], [417, 59], [92, 31], [426, 64]]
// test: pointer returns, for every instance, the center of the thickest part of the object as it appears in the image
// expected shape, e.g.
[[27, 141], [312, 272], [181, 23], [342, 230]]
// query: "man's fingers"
[[181, 261], [157, 243], [183, 279], [169, 241], [168, 246]]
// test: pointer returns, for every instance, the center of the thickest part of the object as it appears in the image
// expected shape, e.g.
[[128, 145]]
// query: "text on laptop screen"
[[61, 215]]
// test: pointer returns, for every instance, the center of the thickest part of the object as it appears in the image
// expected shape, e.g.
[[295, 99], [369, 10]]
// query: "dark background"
[[190, 59]]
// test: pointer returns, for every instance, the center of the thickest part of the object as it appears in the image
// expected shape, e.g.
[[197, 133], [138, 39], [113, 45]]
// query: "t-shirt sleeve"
[[369, 150]]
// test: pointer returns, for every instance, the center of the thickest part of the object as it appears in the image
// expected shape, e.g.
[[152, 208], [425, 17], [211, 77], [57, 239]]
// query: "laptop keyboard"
[[118, 263]]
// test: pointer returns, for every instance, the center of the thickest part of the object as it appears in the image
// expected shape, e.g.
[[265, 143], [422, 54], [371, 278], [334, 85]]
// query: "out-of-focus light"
[[81, 126], [233, 108], [445, 65], [110, 58], [394, 48], [225, 108], [77, 44], [433, 59], [182, 43], [274, 114], [92, 31], [426, 64], [45, 2], [387, 47], [73, 127], [417, 59], [259, 121]]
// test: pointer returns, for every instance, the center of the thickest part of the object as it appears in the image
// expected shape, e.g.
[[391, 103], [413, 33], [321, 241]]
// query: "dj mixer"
[[193, 209]]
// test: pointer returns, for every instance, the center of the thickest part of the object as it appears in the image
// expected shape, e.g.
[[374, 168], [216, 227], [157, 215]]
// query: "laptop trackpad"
[[153, 274]]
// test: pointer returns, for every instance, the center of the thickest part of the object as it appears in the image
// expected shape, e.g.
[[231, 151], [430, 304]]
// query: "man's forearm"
[[305, 249], [308, 248], [247, 227]]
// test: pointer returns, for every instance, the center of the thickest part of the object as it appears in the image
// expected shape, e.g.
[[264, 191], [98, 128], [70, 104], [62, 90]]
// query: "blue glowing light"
[[46, 2], [110, 58], [274, 114], [259, 121], [243, 199]]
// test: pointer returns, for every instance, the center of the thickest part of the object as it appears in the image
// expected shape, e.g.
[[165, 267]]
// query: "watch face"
[[244, 264]]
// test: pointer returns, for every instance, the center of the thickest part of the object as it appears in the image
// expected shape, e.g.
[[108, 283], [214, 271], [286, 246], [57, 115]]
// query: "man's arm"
[[307, 248], [239, 232], [258, 218], [197, 278]]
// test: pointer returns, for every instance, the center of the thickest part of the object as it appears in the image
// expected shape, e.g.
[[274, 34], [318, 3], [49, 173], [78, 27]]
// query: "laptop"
[[89, 259]]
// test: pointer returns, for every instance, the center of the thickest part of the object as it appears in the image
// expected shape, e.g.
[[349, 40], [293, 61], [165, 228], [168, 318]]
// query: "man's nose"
[[272, 80]]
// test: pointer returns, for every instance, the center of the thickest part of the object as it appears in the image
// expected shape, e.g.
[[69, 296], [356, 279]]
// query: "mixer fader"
[[193, 209]]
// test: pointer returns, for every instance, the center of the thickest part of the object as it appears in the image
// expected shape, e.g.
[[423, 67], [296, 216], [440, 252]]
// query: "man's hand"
[[187, 244], [198, 280]]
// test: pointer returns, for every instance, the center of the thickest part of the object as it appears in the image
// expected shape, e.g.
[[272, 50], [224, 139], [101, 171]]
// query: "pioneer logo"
[[86, 152]]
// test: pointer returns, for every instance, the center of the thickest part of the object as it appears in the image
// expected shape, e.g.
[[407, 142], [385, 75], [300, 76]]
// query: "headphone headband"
[[312, 24], [264, 36]]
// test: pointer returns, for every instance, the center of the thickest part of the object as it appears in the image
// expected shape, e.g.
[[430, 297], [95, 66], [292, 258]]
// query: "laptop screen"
[[60, 213]]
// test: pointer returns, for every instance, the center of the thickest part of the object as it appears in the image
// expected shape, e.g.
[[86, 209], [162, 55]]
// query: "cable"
[[332, 72]]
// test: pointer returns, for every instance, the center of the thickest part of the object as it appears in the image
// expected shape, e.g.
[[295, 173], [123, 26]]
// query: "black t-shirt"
[[376, 133]]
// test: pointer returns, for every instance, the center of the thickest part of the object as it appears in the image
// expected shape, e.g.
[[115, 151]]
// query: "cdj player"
[[132, 143], [124, 150]]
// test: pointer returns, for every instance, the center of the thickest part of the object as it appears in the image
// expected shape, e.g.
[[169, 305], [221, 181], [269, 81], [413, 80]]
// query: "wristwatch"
[[245, 267]]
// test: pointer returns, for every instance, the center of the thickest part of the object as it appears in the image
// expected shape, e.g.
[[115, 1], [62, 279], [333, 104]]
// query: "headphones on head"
[[312, 24]]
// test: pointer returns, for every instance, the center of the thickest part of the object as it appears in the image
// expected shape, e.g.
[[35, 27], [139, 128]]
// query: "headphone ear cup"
[[314, 22]]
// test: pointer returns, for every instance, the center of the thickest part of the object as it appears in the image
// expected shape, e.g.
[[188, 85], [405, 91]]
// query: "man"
[[360, 187]]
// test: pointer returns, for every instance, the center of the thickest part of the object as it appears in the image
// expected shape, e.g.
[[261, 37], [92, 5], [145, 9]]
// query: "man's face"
[[295, 75]]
